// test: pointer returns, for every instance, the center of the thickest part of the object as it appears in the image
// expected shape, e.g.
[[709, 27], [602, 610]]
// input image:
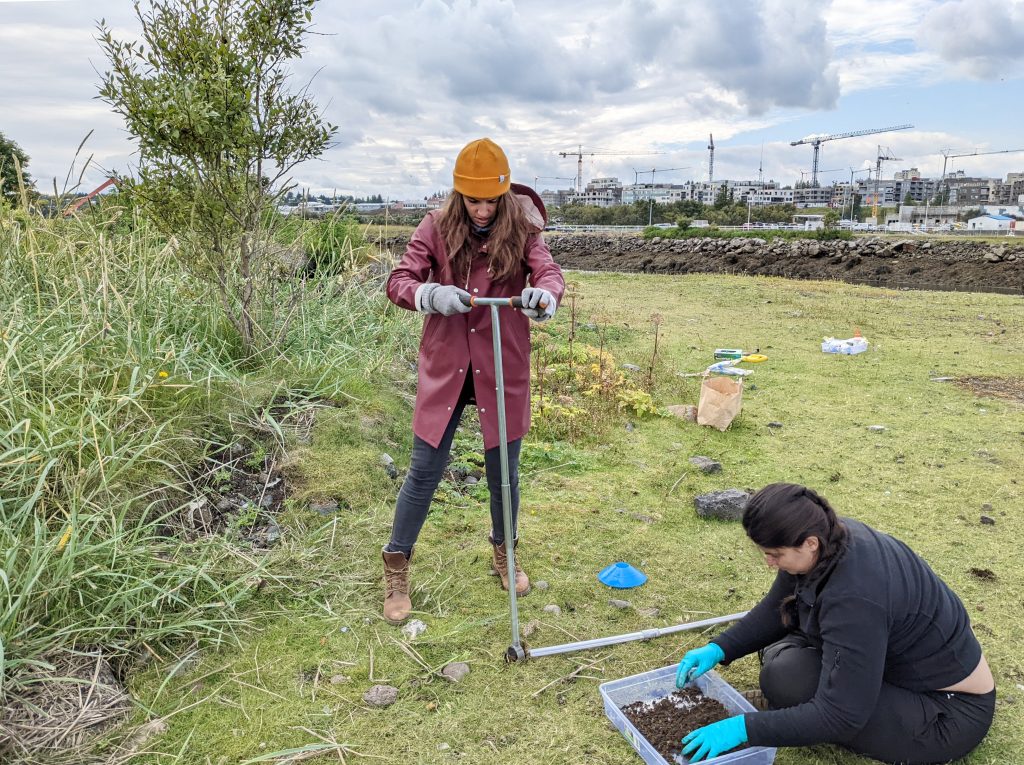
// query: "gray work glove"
[[444, 299], [538, 304]]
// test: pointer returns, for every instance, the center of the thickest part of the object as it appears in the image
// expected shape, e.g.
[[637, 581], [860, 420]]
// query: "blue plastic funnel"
[[621, 576]]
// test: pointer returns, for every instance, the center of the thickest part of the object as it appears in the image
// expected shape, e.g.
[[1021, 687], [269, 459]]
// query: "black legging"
[[426, 470], [907, 727]]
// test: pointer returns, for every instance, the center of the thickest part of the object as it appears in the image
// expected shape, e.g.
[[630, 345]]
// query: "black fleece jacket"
[[879, 615]]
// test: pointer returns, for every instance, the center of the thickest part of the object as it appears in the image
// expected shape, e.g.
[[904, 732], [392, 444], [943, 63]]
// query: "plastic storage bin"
[[847, 347], [659, 683]]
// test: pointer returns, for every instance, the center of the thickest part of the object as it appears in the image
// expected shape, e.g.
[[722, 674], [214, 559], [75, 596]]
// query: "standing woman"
[[485, 242], [861, 643]]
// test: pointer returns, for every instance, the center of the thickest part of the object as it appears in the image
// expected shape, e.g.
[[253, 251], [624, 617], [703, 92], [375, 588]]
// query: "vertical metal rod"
[[506, 493]]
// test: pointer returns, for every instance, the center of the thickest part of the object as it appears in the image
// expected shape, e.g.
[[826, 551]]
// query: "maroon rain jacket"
[[453, 346]]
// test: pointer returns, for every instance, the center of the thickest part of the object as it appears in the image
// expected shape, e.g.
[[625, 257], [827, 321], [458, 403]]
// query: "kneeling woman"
[[862, 645]]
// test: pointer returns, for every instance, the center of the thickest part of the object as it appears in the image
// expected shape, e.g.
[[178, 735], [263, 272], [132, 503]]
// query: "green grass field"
[[622, 490]]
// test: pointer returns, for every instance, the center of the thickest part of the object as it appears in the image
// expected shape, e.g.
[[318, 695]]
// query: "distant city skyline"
[[410, 85]]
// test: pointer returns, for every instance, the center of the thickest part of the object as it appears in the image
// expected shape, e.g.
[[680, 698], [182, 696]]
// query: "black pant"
[[427, 469], [907, 727]]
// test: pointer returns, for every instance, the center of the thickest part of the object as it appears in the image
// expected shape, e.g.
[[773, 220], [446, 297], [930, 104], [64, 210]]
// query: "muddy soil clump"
[[664, 722]]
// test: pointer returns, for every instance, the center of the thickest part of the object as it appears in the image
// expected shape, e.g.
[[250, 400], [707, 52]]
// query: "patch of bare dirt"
[[884, 262], [1007, 388]]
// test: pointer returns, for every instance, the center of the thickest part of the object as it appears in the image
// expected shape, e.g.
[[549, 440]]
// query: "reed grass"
[[118, 373]]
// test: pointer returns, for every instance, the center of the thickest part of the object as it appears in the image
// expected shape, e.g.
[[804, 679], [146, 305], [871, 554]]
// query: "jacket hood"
[[532, 206]]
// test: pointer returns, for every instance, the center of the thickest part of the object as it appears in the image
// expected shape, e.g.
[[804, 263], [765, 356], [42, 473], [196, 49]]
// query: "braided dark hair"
[[787, 514]]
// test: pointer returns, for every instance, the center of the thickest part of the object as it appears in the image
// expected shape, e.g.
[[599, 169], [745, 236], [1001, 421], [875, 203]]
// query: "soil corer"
[[517, 651]]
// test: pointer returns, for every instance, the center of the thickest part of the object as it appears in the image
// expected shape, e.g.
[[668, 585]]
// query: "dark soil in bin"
[[664, 722]]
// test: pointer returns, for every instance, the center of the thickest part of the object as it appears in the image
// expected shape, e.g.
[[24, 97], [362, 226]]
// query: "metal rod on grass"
[[585, 645]]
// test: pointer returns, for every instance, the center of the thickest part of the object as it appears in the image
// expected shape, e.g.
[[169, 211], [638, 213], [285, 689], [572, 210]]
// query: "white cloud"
[[983, 38], [409, 82]]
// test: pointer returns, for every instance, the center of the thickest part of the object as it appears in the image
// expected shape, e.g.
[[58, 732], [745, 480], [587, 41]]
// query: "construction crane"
[[579, 154], [550, 178], [820, 172], [817, 140], [652, 171], [711, 158], [947, 156], [882, 157]]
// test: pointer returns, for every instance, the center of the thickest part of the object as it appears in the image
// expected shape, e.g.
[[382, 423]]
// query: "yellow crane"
[[882, 157]]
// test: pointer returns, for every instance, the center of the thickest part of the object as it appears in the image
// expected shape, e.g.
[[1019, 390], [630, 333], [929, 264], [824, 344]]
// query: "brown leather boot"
[[500, 567], [397, 605]]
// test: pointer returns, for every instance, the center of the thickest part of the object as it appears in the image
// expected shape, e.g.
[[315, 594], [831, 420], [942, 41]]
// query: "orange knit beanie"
[[481, 170]]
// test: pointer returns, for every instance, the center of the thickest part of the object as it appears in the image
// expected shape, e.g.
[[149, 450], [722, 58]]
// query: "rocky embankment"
[[916, 262], [911, 262]]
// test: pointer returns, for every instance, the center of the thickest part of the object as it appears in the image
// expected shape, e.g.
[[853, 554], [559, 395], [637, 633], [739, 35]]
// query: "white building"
[[600, 192], [772, 196], [927, 215], [1015, 211], [557, 197], [1000, 224], [661, 193]]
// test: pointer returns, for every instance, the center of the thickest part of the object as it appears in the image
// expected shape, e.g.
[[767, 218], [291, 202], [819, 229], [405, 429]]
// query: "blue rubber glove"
[[698, 661], [711, 740], [538, 304]]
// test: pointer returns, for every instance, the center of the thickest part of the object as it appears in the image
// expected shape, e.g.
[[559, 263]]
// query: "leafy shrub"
[[578, 389]]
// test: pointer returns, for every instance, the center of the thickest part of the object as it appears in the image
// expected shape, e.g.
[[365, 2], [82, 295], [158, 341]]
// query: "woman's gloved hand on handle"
[[445, 299], [538, 304]]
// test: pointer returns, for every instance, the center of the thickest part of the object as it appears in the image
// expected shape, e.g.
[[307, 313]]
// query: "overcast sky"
[[409, 85]]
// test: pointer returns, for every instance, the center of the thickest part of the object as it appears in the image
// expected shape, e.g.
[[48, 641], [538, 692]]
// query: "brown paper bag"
[[721, 399]]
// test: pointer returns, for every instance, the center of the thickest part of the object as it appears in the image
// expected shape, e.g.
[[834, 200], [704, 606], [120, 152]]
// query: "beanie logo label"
[[501, 179]]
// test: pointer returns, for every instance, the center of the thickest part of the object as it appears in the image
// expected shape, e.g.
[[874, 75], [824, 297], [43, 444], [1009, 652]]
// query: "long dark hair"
[[786, 515], [505, 245]]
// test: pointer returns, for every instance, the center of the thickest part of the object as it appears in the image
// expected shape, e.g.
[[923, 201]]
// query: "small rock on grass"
[[414, 629], [621, 604], [649, 613], [774, 424], [531, 626], [706, 464], [389, 466], [552, 609], [541, 585], [455, 671], [988, 520], [877, 428], [724, 505], [686, 412], [340, 679], [381, 696]]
